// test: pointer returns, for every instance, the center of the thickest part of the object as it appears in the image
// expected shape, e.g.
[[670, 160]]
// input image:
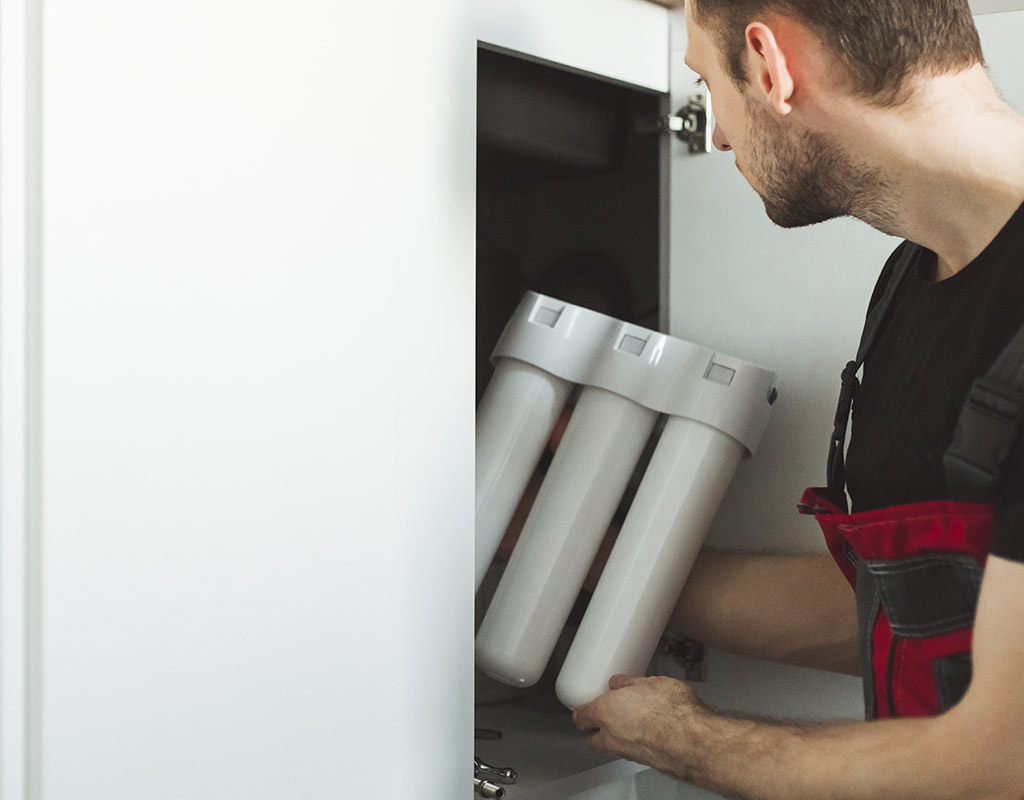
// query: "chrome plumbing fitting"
[[505, 775], [486, 779], [488, 789]]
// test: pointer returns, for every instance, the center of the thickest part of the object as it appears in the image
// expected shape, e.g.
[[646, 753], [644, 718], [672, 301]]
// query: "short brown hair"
[[880, 43]]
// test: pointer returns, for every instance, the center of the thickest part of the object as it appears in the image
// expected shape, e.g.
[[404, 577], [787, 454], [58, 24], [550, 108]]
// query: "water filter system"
[[716, 410]]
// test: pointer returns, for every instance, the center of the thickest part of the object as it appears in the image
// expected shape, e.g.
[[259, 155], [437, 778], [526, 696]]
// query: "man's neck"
[[954, 162]]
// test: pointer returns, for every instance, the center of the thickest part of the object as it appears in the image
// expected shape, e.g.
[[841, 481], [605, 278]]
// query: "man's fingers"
[[582, 718], [622, 681], [598, 742]]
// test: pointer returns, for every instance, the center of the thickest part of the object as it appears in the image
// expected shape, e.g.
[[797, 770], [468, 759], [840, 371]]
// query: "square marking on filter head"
[[720, 374], [546, 316], [632, 344]]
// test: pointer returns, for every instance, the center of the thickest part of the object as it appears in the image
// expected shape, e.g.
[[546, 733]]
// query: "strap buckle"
[[985, 432], [847, 390], [836, 470]]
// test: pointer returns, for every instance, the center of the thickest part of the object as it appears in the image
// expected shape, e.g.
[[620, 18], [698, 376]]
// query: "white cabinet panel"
[[622, 39], [257, 426], [19, 135]]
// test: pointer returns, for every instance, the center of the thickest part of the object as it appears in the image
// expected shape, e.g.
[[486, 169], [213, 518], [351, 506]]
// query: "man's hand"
[[647, 720]]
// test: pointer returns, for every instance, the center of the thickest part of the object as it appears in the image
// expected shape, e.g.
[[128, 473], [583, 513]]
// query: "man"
[[880, 110]]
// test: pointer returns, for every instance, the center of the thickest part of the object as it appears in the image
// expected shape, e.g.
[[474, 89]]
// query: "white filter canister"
[[515, 418], [562, 534], [667, 522]]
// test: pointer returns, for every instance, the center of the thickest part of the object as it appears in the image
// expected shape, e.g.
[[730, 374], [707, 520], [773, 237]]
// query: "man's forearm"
[[912, 759], [974, 751], [793, 609], [659, 722]]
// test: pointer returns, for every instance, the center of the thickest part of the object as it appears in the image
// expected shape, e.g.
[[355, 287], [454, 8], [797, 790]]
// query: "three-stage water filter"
[[716, 410]]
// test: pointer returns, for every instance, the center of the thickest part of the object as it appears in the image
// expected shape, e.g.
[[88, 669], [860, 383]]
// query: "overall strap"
[[877, 312], [989, 423]]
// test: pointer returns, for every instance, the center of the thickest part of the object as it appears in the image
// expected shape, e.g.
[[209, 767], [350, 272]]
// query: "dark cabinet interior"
[[568, 194]]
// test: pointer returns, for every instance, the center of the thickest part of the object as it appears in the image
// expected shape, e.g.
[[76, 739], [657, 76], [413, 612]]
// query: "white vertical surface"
[[993, 6], [622, 39], [795, 301], [258, 416], [1001, 35], [19, 134]]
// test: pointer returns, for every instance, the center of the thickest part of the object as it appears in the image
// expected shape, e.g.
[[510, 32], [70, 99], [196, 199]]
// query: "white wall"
[[255, 537], [995, 6]]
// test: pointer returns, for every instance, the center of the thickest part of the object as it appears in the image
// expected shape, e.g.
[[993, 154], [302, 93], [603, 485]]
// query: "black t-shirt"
[[936, 339]]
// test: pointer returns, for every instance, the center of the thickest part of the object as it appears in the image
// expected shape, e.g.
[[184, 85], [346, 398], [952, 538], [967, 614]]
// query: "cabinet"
[[236, 348]]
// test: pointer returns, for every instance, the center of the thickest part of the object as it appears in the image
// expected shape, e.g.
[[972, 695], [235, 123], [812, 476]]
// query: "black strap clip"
[[836, 458], [846, 393], [985, 432]]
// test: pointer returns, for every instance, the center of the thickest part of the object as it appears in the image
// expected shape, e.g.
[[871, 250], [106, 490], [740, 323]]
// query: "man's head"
[[879, 44], [792, 81]]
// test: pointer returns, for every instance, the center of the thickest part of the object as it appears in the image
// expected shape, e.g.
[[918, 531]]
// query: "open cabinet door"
[[793, 300]]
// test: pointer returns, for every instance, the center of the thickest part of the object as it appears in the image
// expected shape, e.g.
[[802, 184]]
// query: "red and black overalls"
[[917, 568]]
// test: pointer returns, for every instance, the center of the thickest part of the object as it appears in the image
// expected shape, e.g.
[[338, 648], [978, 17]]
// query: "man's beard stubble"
[[812, 178]]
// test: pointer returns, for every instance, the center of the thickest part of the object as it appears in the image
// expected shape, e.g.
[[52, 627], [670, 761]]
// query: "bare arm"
[[975, 750], [794, 609]]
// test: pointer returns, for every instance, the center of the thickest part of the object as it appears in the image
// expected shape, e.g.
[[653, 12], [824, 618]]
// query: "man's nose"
[[719, 140]]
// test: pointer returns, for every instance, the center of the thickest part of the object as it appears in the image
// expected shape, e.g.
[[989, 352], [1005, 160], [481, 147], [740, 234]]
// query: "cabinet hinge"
[[690, 124]]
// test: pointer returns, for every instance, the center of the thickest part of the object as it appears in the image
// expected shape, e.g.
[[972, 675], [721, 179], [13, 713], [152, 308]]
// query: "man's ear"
[[769, 66]]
